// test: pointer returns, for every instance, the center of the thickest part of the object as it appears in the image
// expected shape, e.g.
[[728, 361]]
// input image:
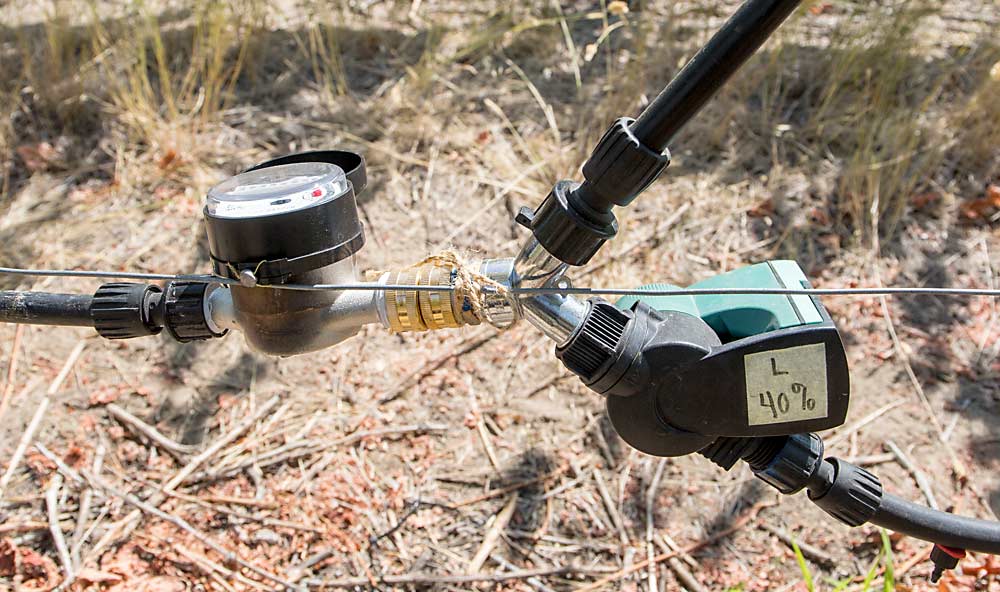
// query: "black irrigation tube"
[[43, 308], [728, 49]]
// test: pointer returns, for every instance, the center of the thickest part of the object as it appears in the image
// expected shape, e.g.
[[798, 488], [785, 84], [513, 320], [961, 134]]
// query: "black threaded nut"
[[854, 496], [123, 310], [185, 312], [757, 452], [725, 452], [620, 167], [594, 343], [789, 470]]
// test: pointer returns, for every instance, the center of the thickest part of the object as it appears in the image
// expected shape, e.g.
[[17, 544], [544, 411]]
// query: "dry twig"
[[469, 344], [65, 469], [652, 237], [612, 509], [495, 528], [356, 437], [141, 506], [623, 573], [86, 498], [126, 525], [654, 488], [240, 501], [422, 579], [510, 488], [919, 476], [8, 387], [484, 435], [22, 445], [844, 433], [961, 473], [179, 451], [219, 570], [680, 570], [36, 420], [243, 515], [811, 551], [28, 526], [55, 529]]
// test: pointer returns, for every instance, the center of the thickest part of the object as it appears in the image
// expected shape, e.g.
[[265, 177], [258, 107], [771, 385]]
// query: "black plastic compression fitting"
[[853, 495], [576, 219], [124, 310], [118, 310]]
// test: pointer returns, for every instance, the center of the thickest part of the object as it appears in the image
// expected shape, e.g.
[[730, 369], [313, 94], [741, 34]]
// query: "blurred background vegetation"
[[878, 108]]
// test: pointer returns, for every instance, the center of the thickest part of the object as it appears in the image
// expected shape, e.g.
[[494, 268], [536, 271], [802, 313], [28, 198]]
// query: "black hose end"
[[853, 496], [786, 463], [125, 310]]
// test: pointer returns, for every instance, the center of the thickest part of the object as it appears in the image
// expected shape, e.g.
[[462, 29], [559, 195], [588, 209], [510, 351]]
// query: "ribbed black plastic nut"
[[855, 495], [122, 310], [621, 167], [568, 233], [185, 312], [791, 467], [594, 343]]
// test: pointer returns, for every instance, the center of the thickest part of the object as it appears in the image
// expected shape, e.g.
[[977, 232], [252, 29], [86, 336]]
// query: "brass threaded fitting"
[[401, 305], [412, 310], [437, 307]]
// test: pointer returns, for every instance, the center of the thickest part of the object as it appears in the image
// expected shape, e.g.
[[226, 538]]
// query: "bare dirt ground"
[[470, 459]]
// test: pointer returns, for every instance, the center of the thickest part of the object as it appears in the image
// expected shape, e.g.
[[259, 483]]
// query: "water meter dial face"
[[286, 217], [276, 190]]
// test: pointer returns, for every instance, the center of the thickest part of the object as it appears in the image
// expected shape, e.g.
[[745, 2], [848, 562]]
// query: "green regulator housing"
[[733, 316]]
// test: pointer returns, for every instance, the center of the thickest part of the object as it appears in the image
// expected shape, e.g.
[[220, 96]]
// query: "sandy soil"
[[451, 155]]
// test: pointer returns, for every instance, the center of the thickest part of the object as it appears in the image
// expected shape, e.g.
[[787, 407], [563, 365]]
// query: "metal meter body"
[[293, 220]]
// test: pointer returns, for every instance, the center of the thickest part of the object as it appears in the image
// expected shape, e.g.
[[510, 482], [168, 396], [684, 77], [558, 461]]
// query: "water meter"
[[293, 220]]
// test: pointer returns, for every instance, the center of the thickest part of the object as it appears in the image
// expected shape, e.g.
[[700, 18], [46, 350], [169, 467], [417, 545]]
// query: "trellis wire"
[[566, 290]]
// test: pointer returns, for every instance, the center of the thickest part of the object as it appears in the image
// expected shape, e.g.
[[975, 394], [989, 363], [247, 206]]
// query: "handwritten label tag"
[[786, 384]]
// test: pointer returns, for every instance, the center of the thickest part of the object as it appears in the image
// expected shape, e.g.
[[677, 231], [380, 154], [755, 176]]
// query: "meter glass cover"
[[276, 190]]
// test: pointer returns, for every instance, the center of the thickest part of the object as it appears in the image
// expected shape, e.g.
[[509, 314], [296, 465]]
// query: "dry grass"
[[118, 116], [866, 105]]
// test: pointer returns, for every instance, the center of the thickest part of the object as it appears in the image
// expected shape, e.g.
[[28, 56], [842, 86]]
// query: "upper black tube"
[[709, 69], [43, 308], [938, 527]]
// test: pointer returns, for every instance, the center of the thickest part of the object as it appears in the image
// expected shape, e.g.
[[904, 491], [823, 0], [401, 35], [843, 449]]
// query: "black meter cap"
[[287, 216], [352, 163]]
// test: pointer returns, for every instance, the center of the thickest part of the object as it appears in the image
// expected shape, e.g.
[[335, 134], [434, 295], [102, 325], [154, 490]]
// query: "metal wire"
[[586, 291]]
